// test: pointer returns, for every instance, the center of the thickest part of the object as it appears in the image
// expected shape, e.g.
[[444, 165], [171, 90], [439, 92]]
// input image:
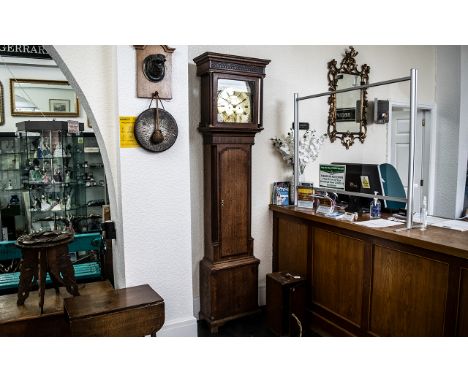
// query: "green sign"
[[332, 176]]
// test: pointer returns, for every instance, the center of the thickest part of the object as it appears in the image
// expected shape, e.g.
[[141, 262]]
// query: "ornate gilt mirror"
[[347, 111]]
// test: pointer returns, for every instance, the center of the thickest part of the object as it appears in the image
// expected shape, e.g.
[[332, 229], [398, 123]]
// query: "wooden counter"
[[375, 281]]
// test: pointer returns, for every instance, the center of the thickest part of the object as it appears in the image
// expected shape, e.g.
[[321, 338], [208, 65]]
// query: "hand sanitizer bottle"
[[423, 216], [375, 207]]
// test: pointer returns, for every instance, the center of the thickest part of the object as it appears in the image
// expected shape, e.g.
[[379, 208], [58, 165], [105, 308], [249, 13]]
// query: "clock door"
[[236, 101], [234, 175]]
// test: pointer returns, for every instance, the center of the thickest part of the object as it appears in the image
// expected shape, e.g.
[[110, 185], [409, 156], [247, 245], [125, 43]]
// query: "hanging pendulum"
[[157, 136]]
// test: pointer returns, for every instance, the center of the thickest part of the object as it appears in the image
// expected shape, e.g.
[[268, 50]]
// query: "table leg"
[[42, 277], [53, 267], [68, 273], [28, 273]]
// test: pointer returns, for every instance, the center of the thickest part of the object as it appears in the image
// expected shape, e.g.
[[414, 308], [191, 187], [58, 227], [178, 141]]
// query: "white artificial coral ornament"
[[309, 146]]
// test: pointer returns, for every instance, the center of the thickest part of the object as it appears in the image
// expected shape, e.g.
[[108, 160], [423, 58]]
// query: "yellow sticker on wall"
[[365, 182], [127, 137]]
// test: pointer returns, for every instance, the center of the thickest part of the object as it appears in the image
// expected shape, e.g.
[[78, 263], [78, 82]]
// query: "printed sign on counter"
[[332, 176], [127, 137], [365, 181]]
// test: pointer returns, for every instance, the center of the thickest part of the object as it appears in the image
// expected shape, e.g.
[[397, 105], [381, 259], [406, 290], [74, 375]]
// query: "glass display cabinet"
[[51, 178], [52, 174], [95, 185], [11, 216]]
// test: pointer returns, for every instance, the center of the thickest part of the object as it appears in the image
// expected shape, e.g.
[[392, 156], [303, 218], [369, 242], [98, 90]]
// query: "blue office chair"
[[392, 186]]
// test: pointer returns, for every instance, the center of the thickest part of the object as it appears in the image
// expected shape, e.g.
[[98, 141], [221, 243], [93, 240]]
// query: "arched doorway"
[[93, 76]]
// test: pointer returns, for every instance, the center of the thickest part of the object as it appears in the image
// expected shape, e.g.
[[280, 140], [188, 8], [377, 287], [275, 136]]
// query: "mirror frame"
[[347, 66], [41, 113]]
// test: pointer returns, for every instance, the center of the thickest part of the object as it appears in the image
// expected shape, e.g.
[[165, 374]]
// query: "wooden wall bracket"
[[154, 70]]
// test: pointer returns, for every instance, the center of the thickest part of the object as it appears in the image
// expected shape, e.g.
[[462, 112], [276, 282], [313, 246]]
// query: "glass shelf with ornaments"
[[50, 174]]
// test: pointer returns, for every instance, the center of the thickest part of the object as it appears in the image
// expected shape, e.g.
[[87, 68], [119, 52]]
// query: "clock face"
[[234, 102]]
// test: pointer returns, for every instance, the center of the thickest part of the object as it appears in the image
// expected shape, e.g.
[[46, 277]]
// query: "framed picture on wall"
[[59, 105], [2, 110]]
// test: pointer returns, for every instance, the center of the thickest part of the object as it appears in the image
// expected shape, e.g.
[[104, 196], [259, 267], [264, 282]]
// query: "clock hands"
[[241, 102], [224, 99], [233, 106]]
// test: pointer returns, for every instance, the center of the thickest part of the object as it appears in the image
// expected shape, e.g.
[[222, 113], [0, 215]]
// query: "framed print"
[[2, 111], [59, 105]]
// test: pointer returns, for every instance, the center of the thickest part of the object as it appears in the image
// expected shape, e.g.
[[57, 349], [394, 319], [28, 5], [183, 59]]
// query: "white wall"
[[463, 136], [301, 69], [156, 200], [152, 193], [92, 71], [448, 130]]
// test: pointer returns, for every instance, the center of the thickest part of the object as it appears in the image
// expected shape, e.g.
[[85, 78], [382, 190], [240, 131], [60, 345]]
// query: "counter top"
[[443, 240]]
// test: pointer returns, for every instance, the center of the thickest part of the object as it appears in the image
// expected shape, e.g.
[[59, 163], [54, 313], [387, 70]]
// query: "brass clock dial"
[[234, 101]]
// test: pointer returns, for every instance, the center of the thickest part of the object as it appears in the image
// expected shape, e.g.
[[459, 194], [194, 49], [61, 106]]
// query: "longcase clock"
[[231, 115]]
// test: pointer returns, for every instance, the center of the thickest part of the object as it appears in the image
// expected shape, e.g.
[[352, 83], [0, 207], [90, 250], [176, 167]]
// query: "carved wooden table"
[[41, 253]]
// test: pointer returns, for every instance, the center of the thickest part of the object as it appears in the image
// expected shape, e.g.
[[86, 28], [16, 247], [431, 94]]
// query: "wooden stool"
[[127, 312], [41, 253]]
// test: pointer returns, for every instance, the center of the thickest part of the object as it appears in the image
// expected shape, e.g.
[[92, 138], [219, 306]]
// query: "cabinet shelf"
[[81, 207], [31, 156], [58, 211], [31, 185]]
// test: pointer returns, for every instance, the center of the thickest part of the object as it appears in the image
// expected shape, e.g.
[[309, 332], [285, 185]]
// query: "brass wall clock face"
[[155, 130], [234, 101]]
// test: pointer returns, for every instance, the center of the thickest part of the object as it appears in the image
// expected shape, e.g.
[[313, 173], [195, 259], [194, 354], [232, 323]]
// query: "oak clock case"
[[231, 104]]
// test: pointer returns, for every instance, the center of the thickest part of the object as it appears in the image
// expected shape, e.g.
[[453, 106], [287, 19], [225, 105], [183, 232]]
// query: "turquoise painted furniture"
[[392, 186], [83, 271]]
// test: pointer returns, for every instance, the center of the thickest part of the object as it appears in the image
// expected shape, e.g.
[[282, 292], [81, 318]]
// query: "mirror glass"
[[347, 104], [42, 97], [347, 111]]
